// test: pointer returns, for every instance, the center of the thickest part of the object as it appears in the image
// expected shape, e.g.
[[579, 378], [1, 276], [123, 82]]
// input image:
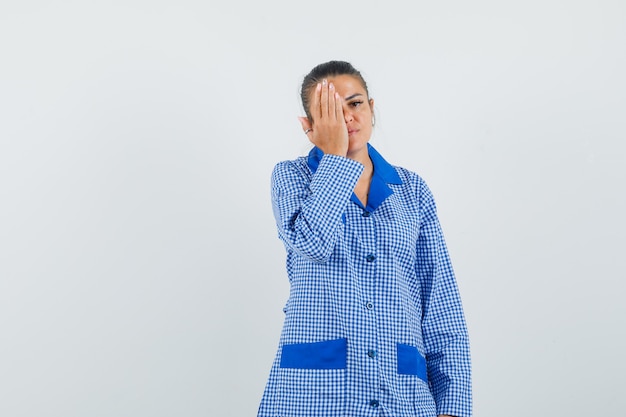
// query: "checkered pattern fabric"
[[377, 276]]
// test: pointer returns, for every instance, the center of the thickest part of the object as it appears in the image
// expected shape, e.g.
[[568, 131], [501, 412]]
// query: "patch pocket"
[[330, 354], [411, 362]]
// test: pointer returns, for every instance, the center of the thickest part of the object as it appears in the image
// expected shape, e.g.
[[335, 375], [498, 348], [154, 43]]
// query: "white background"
[[140, 270]]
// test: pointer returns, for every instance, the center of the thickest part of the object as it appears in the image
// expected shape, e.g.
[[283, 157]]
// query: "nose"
[[347, 114]]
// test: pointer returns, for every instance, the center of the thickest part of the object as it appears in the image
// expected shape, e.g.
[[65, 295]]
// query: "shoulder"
[[291, 171], [418, 186], [413, 180], [292, 166]]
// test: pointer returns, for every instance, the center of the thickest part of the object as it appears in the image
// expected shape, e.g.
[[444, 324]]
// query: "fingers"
[[328, 101], [324, 99], [338, 108], [332, 99], [326, 128], [316, 103]]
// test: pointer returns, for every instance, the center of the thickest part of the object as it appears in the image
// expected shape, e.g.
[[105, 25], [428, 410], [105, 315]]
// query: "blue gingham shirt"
[[374, 324]]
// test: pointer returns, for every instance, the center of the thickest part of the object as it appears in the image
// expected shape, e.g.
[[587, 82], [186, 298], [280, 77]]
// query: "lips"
[[352, 131]]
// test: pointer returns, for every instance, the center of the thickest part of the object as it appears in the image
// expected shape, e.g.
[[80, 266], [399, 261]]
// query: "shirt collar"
[[384, 174]]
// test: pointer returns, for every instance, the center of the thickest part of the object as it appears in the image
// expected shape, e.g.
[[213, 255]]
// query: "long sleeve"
[[373, 323], [443, 322], [308, 208]]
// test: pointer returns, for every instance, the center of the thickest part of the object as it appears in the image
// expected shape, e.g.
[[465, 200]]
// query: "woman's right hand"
[[328, 129]]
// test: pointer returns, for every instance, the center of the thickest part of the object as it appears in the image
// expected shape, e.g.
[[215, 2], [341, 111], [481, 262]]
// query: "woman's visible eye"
[[355, 103]]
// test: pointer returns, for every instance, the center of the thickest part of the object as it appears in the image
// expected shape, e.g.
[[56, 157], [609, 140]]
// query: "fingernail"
[[324, 82], [331, 85], [319, 86]]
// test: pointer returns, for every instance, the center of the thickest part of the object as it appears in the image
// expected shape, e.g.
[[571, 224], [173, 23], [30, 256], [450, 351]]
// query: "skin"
[[342, 117], [342, 125]]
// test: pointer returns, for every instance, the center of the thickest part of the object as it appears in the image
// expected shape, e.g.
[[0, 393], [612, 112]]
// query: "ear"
[[372, 105], [304, 121]]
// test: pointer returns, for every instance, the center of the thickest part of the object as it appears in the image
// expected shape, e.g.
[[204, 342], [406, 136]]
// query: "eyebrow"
[[353, 96]]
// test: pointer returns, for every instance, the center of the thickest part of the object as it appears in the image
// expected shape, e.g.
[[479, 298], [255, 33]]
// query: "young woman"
[[374, 324]]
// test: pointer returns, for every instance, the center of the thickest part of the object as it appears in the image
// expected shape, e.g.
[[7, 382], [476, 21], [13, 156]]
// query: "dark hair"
[[326, 70]]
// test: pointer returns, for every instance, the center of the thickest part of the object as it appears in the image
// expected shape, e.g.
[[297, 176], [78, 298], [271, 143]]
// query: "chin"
[[356, 146]]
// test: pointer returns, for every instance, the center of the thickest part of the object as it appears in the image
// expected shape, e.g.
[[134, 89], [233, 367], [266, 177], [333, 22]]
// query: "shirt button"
[[370, 258], [371, 353], [369, 306], [374, 403], [366, 214]]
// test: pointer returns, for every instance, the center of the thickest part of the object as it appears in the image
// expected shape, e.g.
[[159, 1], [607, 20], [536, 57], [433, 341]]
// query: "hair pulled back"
[[326, 70]]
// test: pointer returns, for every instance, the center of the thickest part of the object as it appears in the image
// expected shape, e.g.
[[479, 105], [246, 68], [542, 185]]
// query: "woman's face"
[[357, 111]]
